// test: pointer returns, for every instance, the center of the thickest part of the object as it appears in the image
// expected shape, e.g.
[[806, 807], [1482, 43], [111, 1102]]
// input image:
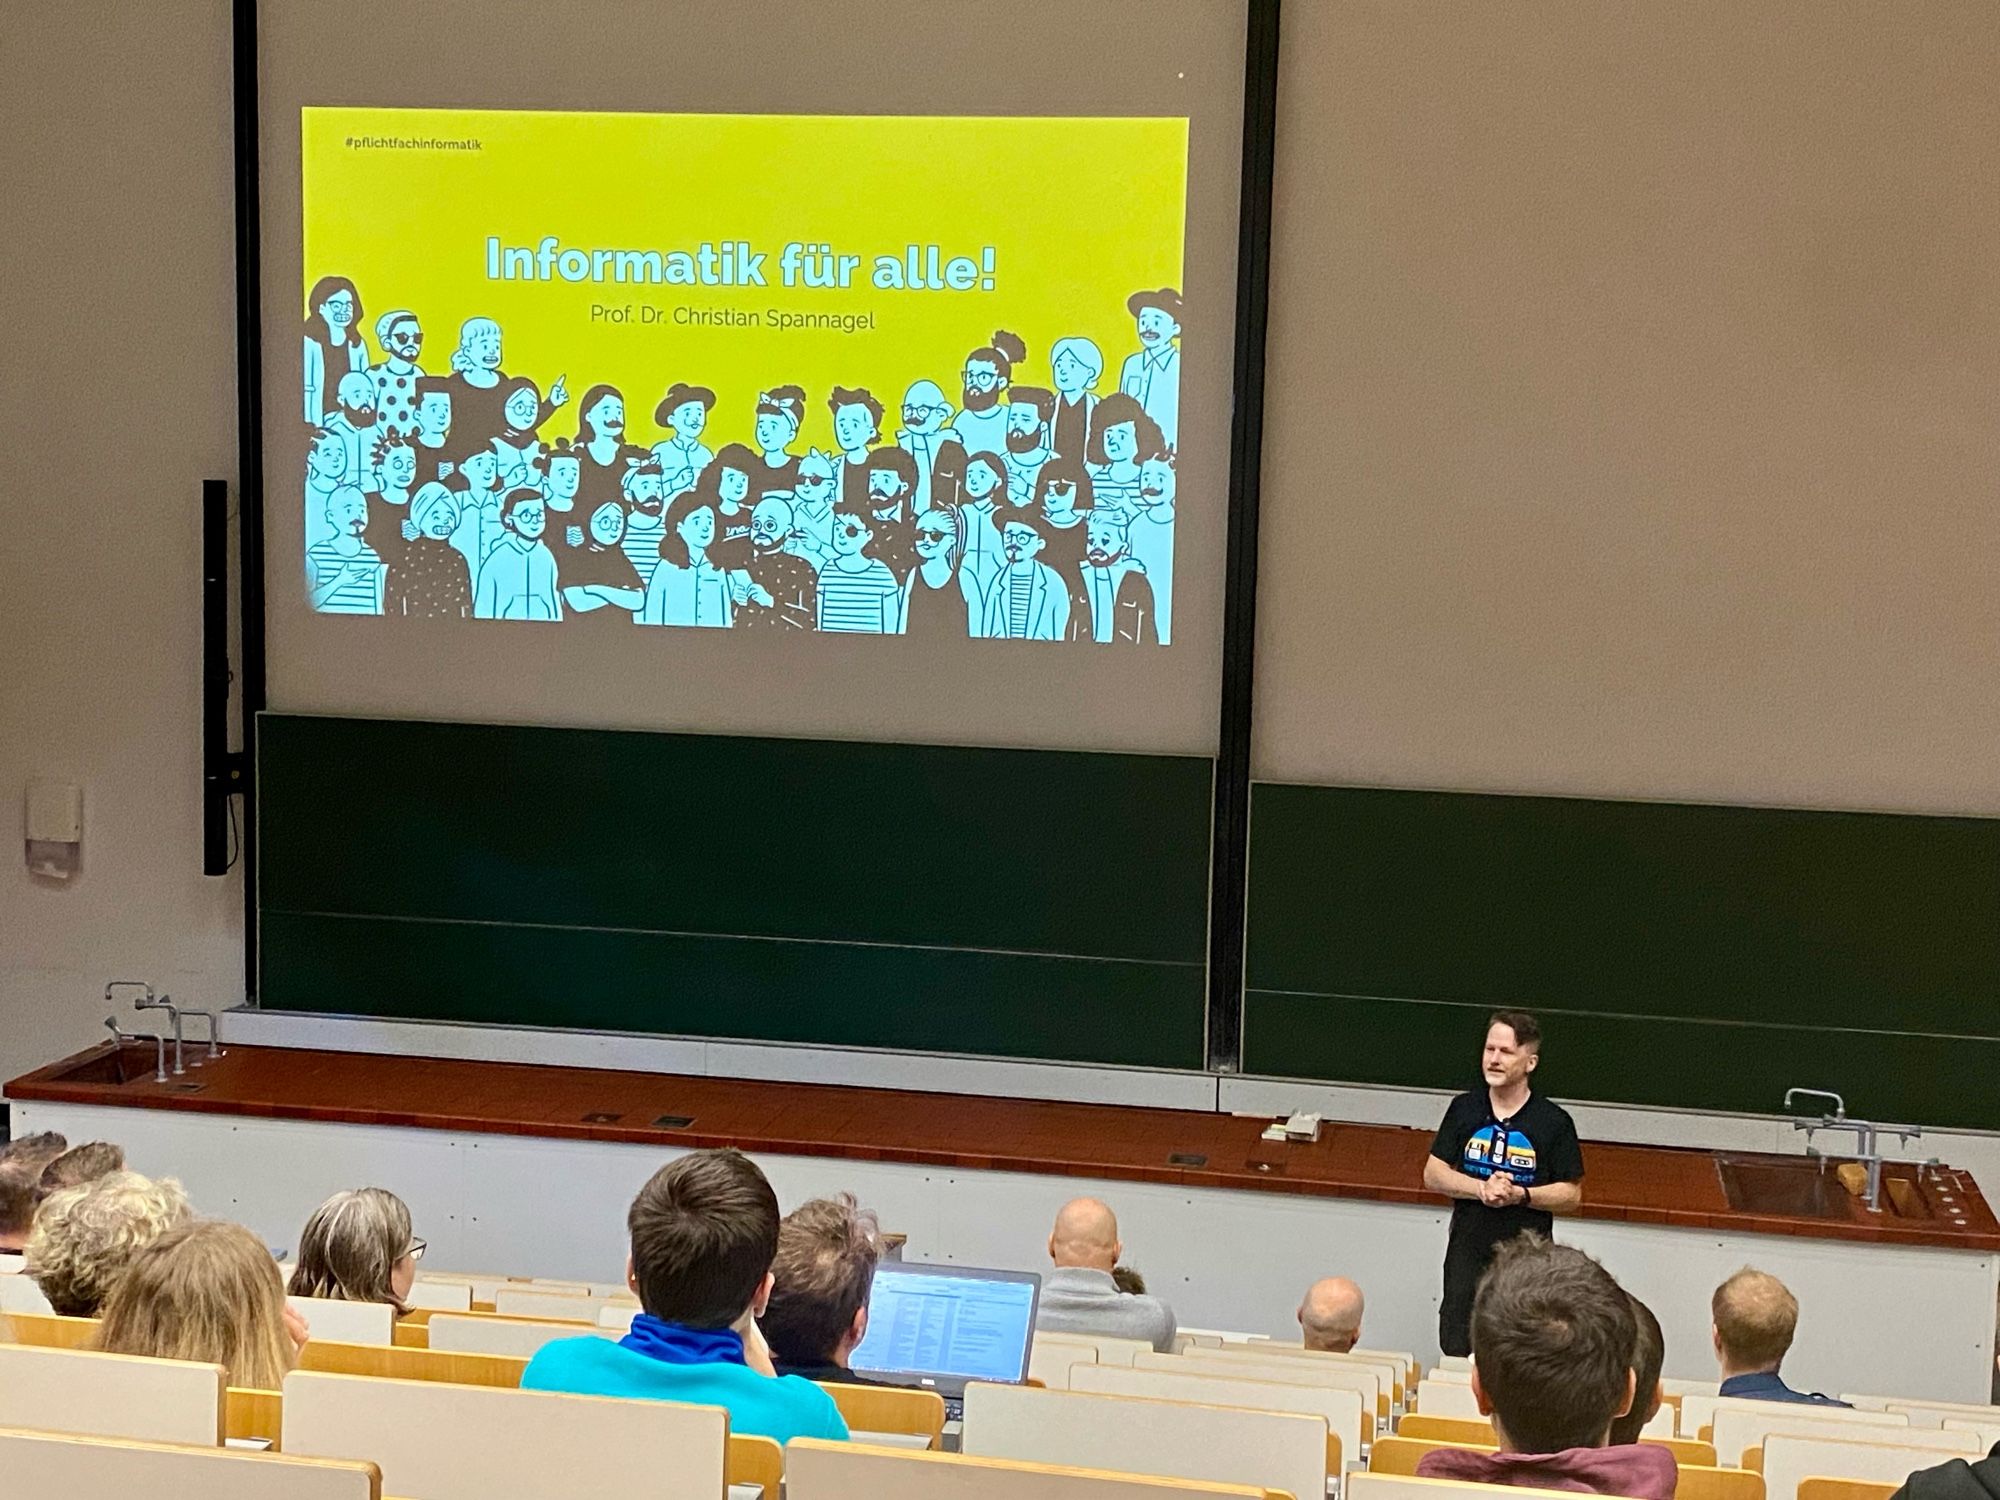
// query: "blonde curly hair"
[[85, 1236]]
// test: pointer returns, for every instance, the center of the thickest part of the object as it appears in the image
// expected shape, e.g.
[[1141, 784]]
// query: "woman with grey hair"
[[357, 1247], [85, 1236]]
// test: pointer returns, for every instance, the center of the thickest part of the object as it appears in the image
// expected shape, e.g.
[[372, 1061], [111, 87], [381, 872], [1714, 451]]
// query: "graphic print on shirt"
[[1494, 1148], [966, 374]]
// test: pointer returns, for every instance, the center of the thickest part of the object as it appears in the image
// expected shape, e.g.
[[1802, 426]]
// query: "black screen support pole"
[[249, 453], [1229, 843], [221, 771]]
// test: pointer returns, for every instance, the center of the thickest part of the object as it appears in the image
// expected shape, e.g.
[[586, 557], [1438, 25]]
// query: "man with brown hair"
[[1510, 1159], [1755, 1317], [704, 1232], [1552, 1341], [824, 1270], [1649, 1352]]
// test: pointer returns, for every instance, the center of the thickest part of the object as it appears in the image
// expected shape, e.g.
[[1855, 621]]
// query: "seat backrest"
[[1446, 1398], [12, 1261], [898, 1409], [616, 1316], [19, 1293], [347, 1322], [1400, 1455], [1340, 1374], [49, 1331], [468, 1442], [1216, 1336], [1677, 1387], [545, 1302], [1394, 1371], [1365, 1485], [111, 1395], [47, 1463], [519, 1338], [1350, 1424], [1788, 1459], [1697, 1482], [1442, 1376], [441, 1296], [1844, 1489], [1185, 1340], [1742, 1424], [1453, 1362], [816, 1470], [1934, 1413], [1988, 1433], [392, 1363], [1274, 1450]]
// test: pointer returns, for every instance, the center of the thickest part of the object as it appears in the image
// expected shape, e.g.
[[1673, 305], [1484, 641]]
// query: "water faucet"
[[215, 1048], [120, 1038], [166, 1003], [1867, 1137], [1839, 1104]]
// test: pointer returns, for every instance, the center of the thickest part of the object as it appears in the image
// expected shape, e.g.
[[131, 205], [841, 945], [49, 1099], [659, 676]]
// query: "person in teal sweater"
[[704, 1233]]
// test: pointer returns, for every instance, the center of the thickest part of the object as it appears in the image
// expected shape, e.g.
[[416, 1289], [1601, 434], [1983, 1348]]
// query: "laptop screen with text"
[[941, 1326]]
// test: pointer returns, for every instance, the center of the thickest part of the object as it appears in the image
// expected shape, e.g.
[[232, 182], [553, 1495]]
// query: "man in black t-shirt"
[[1508, 1157]]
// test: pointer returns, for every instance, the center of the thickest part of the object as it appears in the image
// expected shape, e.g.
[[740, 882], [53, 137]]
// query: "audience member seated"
[[1955, 1479], [86, 1236], [18, 1180], [704, 1233], [208, 1291], [357, 1247], [1080, 1296], [1755, 1318], [1330, 1315], [34, 1150], [1552, 1341], [80, 1164], [1649, 1352], [825, 1267]]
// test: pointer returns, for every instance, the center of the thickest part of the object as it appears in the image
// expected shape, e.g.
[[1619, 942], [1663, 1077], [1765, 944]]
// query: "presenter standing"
[[1510, 1161]]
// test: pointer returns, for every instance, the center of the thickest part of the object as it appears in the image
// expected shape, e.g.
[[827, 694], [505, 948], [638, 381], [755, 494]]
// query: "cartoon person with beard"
[[981, 427], [1152, 532], [1116, 586], [1029, 409], [343, 573], [600, 446], [645, 499], [395, 379], [1152, 377], [354, 420], [940, 458], [784, 586], [1026, 601]]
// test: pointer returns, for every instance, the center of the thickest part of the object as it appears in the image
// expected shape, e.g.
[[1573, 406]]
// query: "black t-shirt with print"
[[1537, 1145]]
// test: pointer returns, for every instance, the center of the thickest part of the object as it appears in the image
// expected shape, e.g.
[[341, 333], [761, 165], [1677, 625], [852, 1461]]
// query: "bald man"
[[1330, 1315], [1079, 1296]]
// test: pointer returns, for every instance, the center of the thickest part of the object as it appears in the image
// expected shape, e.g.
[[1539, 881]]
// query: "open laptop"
[[940, 1326]]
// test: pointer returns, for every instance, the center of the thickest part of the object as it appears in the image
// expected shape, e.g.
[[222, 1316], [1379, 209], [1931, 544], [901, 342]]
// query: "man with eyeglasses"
[[1026, 600], [939, 456], [982, 426], [395, 379]]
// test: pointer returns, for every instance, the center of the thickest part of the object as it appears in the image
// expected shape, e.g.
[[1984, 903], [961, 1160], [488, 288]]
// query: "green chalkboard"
[[1015, 903], [1682, 955]]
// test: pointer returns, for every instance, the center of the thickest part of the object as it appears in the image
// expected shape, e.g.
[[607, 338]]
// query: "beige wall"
[[117, 397], [1635, 401]]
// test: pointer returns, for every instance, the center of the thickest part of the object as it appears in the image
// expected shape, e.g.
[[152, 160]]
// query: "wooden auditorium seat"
[[1272, 1450], [517, 1338], [111, 1395], [1400, 1455], [556, 1304], [347, 1322], [816, 1470], [19, 1293], [50, 1464], [1988, 1433], [1446, 1398], [464, 1442], [1844, 1489], [1478, 1432], [51, 1331], [1394, 1370], [896, 1410], [1790, 1460], [1739, 1424], [1365, 1485], [441, 1296], [1340, 1375], [617, 1316], [1350, 1425]]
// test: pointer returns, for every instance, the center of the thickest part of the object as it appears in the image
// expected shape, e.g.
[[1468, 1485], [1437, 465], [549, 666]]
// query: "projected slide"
[[874, 375]]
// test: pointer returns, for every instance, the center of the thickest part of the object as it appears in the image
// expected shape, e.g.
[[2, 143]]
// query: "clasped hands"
[[1501, 1191]]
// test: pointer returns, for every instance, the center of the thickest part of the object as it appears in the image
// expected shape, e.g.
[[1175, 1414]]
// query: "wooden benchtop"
[[1638, 1184]]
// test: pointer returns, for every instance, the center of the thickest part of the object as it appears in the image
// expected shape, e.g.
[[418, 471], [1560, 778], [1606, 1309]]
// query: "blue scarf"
[[678, 1344]]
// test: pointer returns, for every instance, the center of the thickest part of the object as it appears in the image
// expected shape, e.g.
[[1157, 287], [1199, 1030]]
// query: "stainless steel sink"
[[1795, 1189]]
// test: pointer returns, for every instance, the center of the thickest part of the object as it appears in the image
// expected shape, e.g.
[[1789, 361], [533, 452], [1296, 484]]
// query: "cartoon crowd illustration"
[[1015, 511]]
